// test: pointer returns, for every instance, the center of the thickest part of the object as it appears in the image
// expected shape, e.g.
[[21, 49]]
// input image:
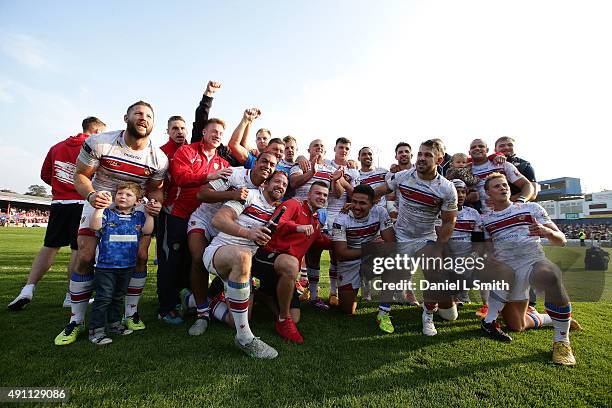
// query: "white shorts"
[[201, 223], [329, 222], [522, 273], [84, 229], [410, 247], [348, 274], [208, 260]]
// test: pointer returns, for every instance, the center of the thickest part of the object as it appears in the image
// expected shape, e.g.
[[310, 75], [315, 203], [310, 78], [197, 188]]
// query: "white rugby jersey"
[[239, 178], [323, 172], [359, 231], [468, 221], [419, 203], [334, 205], [374, 178], [116, 162], [254, 212], [483, 170], [509, 231]]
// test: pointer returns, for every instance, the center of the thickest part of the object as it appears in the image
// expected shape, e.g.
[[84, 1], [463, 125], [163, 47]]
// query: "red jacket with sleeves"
[[287, 240], [188, 171], [59, 167], [170, 148]]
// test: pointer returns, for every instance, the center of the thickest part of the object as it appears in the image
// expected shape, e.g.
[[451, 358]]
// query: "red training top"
[[170, 148], [188, 171], [287, 240], [59, 167]]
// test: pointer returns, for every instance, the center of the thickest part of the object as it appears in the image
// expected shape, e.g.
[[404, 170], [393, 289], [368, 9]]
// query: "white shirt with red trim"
[[116, 162], [509, 231], [420, 203], [239, 178], [323, 173], [483, 170], [254, 212], [359, 231]]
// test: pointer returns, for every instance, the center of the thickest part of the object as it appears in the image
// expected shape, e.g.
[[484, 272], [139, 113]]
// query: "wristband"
[[521, 199], [89, 196]]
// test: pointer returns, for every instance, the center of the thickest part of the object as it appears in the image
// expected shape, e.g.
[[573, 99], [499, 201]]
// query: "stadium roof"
[[25, 199]]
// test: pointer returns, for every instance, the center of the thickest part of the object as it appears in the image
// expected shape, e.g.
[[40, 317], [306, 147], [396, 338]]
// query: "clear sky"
[[375, 72]]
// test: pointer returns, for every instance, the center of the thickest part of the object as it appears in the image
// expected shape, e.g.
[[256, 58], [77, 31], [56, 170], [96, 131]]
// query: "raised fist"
[[212, 87], [252, 114]]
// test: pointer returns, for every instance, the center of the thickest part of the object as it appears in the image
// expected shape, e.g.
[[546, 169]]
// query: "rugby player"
[[364, 223], [200, 231], [505, 146], [105, 160], [66, 207], [318, 170], [424, 195], [229, 255], [482, 167], [341, 193], [515, 230], [468, 229]]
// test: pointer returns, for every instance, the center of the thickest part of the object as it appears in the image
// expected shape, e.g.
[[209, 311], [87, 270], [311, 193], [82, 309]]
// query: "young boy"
[[119, 227]]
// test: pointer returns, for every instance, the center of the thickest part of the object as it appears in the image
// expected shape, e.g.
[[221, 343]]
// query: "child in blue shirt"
[[120, 228]]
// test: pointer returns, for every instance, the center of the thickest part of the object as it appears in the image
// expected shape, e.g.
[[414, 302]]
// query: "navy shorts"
[[263, 269]]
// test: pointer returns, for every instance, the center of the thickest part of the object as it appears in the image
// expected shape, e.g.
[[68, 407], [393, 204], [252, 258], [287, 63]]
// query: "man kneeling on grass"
[[120, 229], [364, 223], [515, 230], [277, 265]]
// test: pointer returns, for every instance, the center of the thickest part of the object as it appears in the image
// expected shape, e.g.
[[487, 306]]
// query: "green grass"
[[344, 361]]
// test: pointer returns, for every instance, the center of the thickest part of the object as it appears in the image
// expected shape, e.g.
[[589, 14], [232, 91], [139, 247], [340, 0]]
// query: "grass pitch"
[[345, 361]]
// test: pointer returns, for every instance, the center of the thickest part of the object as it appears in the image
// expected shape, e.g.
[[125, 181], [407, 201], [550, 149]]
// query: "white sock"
[[238, 297], [134, 292], [28, 290], [496, 304], [313, 282], [220, 311], [81, 288], [191, 302], [333, 279], [561, 317]]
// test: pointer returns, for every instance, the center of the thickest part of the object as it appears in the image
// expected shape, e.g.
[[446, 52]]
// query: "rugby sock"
[[303, 273], [313, 282], [430, 307], [333, 279], [238, 297], [484, 296], [384, 308], [203, 309], [561, 316], [134, 292], [539, 319], [28, 290], [191, 302], [496, 304], [220, 311], [81, 287]]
